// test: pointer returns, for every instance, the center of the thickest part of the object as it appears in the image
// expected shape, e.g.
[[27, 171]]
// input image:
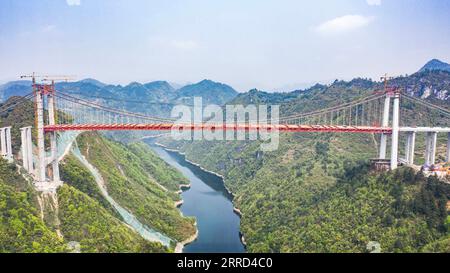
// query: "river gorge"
[[210, 203]]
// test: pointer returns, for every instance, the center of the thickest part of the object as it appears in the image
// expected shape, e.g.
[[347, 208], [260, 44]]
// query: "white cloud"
[[373, 2], [48, 28], [184, 44], [344, 24], [73, 2]]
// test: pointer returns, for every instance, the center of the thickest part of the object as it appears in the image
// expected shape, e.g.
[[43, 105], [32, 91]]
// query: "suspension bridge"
[[57, 112]]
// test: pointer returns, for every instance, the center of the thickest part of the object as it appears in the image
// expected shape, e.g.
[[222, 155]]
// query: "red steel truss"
[[226, 127]]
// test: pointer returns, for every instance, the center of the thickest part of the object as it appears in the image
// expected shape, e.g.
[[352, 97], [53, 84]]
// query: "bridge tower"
[[395, 130], [39, 93], [44, 95], [53, 135], [385, 123], [45, 100], [395, 94]]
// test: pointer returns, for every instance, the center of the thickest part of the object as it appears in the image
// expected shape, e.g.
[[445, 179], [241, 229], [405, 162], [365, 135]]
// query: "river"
[[210, 203]]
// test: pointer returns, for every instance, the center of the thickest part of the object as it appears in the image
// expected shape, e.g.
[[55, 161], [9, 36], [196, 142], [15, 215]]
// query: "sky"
[[269, 45]]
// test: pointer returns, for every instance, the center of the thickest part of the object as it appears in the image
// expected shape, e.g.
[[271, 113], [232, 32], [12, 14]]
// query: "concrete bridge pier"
[[5, 143], [9, 153], [24, 150], [27, 149], [430, 150], [410, 145], [447, 157]]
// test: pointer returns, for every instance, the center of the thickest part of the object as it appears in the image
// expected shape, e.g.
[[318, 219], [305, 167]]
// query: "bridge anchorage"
[[58, 112]]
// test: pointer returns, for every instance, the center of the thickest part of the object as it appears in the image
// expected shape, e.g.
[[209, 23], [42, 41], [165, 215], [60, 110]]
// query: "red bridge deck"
[[226, 127]]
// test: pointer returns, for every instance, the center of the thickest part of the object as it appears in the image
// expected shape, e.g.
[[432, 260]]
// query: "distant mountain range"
[[158, 97], [155, 97], [428, 83], [14, 88]]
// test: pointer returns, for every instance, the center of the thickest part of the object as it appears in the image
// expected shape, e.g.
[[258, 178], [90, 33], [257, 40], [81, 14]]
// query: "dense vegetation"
[[307, 197], [85, 221], [142, 187], [77, 176], [79, 215], [17, 117], [82, 219], [313, 194], [21, 227], [159, 170]]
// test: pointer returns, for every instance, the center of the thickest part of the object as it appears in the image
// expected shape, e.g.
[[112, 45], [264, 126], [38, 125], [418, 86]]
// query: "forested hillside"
[[82, 220], [18, 117], [21, 227], [79, 217], [316, 194], [141, 182]]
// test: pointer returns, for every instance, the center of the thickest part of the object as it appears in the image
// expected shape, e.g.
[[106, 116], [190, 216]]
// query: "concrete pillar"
[[9, 152], [395, 131], [410, 145], [53, 138], [448, 148], [409, 149], [385, 123], [433, 147], [24, 147], [30, 151], [3, 142], [430, 150], [41, 176], [427, 148]]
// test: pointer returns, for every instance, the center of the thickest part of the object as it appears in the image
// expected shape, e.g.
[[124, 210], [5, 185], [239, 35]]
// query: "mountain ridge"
[[435, 64], [91, 86], [315, 193], [200, 88]]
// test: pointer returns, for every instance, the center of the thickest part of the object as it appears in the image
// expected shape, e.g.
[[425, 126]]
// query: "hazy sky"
[[244, 43]]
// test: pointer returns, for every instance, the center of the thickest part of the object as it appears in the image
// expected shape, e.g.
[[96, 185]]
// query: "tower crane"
[[48, 78]]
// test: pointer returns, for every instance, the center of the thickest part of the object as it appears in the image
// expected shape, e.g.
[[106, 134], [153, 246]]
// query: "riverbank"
[[180, 245], [178, 204], [183, 187], [238, 212], [196, 164]]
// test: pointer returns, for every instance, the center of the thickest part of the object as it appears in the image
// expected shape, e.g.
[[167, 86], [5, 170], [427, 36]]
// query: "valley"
[[210, 203], [316, 193]]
